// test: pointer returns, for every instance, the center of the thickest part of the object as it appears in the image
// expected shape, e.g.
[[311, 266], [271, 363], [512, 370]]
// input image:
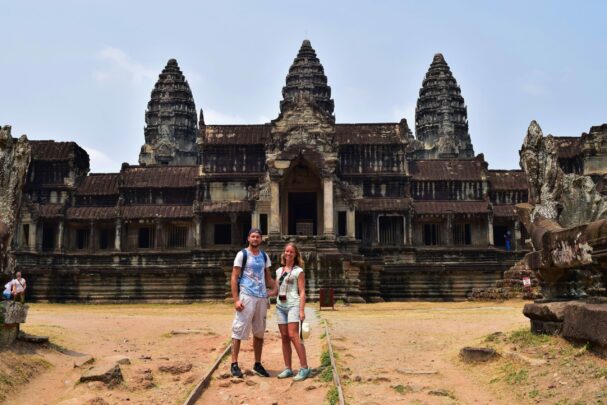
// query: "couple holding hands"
[[249, 282]]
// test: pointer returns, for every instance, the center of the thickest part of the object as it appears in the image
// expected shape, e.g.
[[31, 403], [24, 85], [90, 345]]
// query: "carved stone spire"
[[307, 80], [441, 118], [171, 128]]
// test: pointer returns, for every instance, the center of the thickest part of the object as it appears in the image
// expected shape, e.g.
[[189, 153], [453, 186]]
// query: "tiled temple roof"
[[504, 210], [383, 204], [507, 180], [157, 211], [99, 184], [88, 213], [357, 134], [51, 150], [436, 170], [235, 134], [451, 207], [159, 176], [225, 206], [49, 210], [568, 146]]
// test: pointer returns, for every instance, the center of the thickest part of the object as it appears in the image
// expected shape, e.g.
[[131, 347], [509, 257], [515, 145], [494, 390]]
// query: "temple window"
[[25, 233], [432, 234], [178, 236], [341, 223], [146, 237], [391, 230], [82, 238], [104, 239], [48, 237], [462, 234], [222, 234], [263, 223]]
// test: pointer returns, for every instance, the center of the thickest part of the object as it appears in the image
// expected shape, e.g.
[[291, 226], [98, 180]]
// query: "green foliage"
[[402, 389], [325, 359], [600, 373], [524, 337], [326, 375], [332, 397], [513, 375]]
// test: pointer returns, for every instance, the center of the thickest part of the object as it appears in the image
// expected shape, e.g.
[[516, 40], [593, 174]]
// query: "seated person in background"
[[19, 286], [8, 290]]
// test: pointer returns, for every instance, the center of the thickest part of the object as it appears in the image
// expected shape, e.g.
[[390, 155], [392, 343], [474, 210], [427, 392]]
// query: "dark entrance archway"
[[302, 213]]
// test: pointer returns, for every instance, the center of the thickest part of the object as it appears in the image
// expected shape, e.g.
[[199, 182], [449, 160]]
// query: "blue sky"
[[83, 70]]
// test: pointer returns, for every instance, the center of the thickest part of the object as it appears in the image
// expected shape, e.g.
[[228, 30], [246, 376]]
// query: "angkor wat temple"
[[379, 213]]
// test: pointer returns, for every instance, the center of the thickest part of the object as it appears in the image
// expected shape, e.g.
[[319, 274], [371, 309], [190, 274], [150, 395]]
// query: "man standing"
[[248, 284]]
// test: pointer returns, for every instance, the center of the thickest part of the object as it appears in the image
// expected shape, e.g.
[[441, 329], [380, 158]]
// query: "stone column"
[[197, 232], [274, 208], [375, 229], [490, 230], [328, 229], [404, 230], [158, 236], [59, 244], [92, 237], [449, 235], [255, 218], [516, 238], [351, 223], [39, 230], [234, 229], [118, 235], [31, 238], [409, 230]]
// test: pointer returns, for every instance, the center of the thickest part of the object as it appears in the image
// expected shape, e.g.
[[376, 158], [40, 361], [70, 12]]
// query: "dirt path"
[[408, 352], [140, 332], [259, 390]]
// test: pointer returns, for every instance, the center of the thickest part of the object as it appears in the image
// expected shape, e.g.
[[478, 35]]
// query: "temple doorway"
[[302, 213], [301, 200]]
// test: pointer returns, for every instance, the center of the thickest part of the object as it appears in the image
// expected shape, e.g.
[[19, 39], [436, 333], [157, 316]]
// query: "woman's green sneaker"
[[303, 374], [287, 372]]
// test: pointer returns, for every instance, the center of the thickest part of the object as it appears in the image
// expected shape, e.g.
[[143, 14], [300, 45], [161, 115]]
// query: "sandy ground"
[[140, 332], [386, 353], [408, 352]]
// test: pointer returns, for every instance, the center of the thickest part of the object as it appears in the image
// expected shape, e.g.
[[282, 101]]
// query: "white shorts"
[[286, 315], [253, 316]]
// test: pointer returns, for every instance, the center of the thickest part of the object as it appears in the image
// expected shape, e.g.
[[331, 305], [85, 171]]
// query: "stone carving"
[[15, 156], [566, 218], [171, 127]]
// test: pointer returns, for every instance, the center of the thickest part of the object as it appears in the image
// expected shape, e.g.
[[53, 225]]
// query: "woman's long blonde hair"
[[298, 260]]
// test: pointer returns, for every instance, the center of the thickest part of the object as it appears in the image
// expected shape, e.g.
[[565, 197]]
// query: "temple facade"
[[379, 214]]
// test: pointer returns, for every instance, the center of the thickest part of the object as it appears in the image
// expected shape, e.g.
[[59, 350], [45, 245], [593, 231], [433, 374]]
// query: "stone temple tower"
[[441, 118], [306, 78], [170, 119]]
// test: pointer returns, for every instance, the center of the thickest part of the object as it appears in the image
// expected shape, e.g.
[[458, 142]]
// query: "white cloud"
[[120, 65], [100, 162], [213, 117]]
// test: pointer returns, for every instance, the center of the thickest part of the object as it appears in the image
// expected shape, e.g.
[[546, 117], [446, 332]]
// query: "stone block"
[[477, 354], [14, 312], [549, 311], [108, 373], [8, 334], [546, 327], [586, 323]]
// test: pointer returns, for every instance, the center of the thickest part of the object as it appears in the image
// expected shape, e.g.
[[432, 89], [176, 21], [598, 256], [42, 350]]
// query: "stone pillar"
[[449, 235], [234, 229], [404, 230], [59, 245], [328, 229], [274, 208], [92, 237], [31, 238], [39, 228], [490, 230], [351, 223], [516, 238], [118, 235], [255, 218], [197, 232], [158, 236], [375, 229], [409, 230]]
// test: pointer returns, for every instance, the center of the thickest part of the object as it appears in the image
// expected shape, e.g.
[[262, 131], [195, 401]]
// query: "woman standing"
[[290, 304]]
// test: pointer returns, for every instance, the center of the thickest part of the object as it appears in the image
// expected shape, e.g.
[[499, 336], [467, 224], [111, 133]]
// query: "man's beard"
[[254, 243]]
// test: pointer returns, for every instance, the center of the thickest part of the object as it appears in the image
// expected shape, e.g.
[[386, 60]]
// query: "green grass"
[[600, 372], [514, 375], [525, 337], [332, 397], [402, 389], [325, 359]]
